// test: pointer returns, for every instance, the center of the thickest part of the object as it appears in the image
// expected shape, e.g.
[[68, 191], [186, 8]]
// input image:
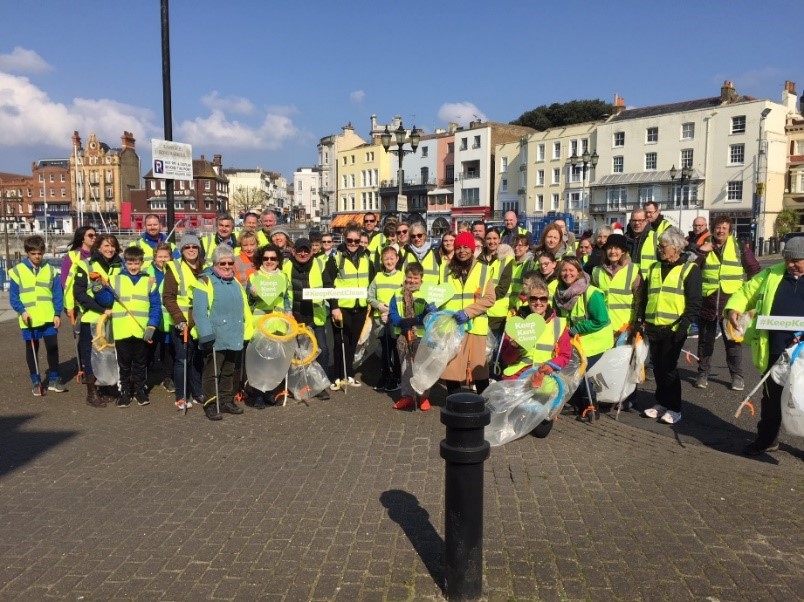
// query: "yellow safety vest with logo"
[[726, 275], [204, 284], [517, 271], [89, 316], [419, 306], [500, 307], [619, 293], [593, 343], [545, 348], [186, 281], [316, 280], [167, 321], [131, 323], [36, 293], [666, 300], [69, 282], [467, 293], [431, 264], [350, 276], [386, 286], [266, 306]]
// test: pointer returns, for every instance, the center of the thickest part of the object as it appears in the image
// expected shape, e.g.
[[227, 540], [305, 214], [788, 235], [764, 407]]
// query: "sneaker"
[[393, 385], [354, 383], [701, 381], [323, 396], [143, 398], [335, 386], [654, 412], [671, 417], [756, 449], [123, 401], [424, 405], [181, 405], [58, 386], [405, 403], [380, 386], [168, 385], [737, 383], [38, 390]]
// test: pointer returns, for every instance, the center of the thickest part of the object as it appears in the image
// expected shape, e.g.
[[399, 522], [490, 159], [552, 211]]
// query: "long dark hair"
[[458, 268], [78, 237]]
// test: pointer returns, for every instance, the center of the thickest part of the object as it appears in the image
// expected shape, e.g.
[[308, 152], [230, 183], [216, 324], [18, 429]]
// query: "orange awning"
[[342, 220]]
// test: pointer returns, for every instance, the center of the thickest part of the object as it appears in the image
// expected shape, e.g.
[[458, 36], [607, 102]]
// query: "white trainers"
[[654, 412], [671, 417], [352, 382], [336, 386]]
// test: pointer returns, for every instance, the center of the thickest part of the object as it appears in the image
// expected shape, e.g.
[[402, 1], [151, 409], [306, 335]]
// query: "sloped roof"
[[676, 107]]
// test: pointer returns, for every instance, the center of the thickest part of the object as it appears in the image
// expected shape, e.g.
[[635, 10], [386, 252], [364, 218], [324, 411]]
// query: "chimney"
[[217, 163], [203, 158], [77, 140], [727, 93], [619, 104], [127, 140], [373, 123], [452, 127], [789, 97]]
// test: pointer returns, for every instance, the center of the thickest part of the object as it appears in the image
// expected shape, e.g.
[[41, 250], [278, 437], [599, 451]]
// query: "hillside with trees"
[[557, 114]]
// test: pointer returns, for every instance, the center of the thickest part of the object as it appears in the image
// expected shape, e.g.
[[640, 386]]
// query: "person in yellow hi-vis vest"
[[162, 346], [473, 284], [500, 258], [386, 282], [79, 251], [619, 280], [724, 267], [35, 294], [136, 314]]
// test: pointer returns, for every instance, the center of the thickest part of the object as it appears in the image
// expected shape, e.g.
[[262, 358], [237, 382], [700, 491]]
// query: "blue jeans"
[[321, 338], [195, 364]]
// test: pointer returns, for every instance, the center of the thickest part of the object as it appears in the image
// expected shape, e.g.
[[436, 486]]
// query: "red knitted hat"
[[465, 239]]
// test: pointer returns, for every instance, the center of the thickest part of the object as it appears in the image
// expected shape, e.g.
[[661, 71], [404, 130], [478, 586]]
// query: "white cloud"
[[21, 60], [461, 113], [28, 116], [357, 97], [217, 130], [228, 104]]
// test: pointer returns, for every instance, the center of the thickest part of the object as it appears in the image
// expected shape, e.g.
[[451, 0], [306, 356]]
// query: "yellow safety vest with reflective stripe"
[[467, 293], [149, 251], [647, 254], [593, 343], [167, 321], [666, 300], [376, 241], [89, 316], [69, 282], [205, 284], [350, 276], [316, 280], [619, 293], [500, 307], [419, 306], [186, 281], [131, 323], [209, 245], [431, 264], [728, 274], [36, 293], [386, 285], [517, 271], [545, 348]]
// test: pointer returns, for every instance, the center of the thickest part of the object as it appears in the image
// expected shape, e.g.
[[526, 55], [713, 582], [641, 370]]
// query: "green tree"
[[786, 221], [567, 113]]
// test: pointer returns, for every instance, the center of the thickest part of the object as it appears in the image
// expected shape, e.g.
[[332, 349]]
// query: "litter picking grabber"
[[344, 382], [184, 336], [36, 360], [79, 377], [217, 376]]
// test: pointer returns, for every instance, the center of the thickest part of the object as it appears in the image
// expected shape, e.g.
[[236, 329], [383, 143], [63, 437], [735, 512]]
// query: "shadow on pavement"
[[404, 509], [18, 447]]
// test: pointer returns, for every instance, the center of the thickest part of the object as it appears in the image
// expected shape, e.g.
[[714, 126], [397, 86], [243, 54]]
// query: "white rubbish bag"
[[793, 395], [369, 340], [104, 356], [618, 371], [440, 344], [270, 352]]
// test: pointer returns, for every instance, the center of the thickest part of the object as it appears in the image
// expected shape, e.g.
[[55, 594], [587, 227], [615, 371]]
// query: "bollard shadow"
[[404, 509], [18, 447]]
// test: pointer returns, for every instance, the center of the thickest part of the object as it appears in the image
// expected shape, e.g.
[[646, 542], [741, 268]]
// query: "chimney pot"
[[790, 86]]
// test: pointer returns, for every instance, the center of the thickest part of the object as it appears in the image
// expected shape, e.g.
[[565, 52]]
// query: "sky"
[[261, 81]]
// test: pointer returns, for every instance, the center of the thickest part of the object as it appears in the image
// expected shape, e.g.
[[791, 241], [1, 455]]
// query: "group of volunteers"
[[192, 306]]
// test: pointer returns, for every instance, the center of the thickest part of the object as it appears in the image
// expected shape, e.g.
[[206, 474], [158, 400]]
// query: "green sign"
[[525, 331], [437, 294], [270, 287]]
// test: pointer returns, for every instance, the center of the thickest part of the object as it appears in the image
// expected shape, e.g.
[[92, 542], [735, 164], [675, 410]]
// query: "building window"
[[344, 202], [573, 147], [650, 161], [207, 185], [556, 150], [736, 154], [464, 143], [540, 178], [540, 152], [539, 202], [575, 174], [574, 201], [735, 191], [424, 151], [585, 145], [647, 194], [687, 131], [686, 158], [503, 163], [554, 202], [652, 135], [63, 192], [616, 198], [52, 178], [504, 185], [52, 192], [617, 164], [450, 148], [470, 197], [556, 176], [619, 139], [352, 181], [476, 143], [738, 124]]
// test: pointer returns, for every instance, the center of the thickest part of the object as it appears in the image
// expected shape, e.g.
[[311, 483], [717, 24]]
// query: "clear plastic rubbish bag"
[[103, 357], [369, 340], [440, 344], [780, 370], [618, 371], [268, 360], [793, 395], [738, 334], [305, 382]]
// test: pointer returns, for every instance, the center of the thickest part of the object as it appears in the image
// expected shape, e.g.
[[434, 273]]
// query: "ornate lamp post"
[[590, 161], [686, 174], [401, 137]]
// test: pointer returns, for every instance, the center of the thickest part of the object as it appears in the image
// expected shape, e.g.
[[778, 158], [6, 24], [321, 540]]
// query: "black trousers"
[[131, 355], [390, 356], [770, 416], [85, 347], [707, 331], [52, 348], [225, 362], [664, 353], [345, 340]]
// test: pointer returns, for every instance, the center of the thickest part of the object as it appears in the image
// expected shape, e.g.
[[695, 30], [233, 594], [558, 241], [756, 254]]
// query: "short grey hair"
[[220, 252], [674, 238], [223, 217], [604, 230]]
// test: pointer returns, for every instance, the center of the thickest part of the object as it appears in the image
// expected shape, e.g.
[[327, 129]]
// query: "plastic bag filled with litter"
[[793, 394], [268, 356], [517, 407], [103, 356], [440, 344], [305, 382], [616, 374], [369, 340]]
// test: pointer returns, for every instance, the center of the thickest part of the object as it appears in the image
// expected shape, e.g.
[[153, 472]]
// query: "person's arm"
[[82, 297], [328, 277], [750, 263], [66, 264], [14, 297], [57, 289], [598, 316], [372, 295], [394, 318], [483, 303], [155, 302], [504, 282], [693, 298], [206, 334], [563, 351]]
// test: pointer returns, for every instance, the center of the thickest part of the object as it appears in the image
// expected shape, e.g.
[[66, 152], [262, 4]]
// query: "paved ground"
[[342, 500]]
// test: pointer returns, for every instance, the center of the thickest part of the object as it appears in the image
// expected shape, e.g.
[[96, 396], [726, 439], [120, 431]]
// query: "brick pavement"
[[342, 500]]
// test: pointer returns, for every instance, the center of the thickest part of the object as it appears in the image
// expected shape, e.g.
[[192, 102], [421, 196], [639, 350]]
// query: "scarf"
[[407, 348], [612, 268], [566, 298], [420, 252]]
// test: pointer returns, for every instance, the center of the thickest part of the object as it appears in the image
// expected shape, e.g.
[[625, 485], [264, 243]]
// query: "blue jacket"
[[14, 292], [225, 325]]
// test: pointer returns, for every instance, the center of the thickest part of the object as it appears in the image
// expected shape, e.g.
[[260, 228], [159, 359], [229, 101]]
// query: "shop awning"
[[342, 220]]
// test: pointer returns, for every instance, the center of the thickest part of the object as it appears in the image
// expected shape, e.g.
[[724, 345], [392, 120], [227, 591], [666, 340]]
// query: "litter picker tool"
[[184, 336], [36, 360], [345, 381], [76, 324], [217, 376]]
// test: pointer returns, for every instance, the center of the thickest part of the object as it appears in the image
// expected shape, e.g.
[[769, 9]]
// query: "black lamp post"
[[401, 137], [586, 161], [686, 174]]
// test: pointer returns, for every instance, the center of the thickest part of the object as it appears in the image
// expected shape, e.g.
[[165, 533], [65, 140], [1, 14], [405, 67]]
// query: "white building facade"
[[306, 198]]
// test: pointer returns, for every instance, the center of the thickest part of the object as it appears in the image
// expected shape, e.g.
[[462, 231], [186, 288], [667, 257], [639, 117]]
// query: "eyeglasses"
[[352, 241], [326, 242], [303, 251], [538, 299], [421, 235], [369, 221], [225, 263], [270, 258], [636, 221], [401, 231], [191, 247], [90, 235]]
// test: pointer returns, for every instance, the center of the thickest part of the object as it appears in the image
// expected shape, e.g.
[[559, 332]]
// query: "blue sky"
[[260, 81]]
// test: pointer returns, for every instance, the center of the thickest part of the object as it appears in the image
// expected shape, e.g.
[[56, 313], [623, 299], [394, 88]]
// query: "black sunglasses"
[[355, 241], [270, 258], [538, 299]]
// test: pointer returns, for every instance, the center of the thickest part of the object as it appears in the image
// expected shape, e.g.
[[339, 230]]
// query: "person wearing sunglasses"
[[500, 258], [421, 251], [223, 321], [376, 238], [402, 234], [355, 270], [328, 246], [79, 251]]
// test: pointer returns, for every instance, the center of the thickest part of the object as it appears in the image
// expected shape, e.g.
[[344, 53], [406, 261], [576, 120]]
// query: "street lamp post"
[[758, 205], [686, 174], [401, 137], [586, 161]]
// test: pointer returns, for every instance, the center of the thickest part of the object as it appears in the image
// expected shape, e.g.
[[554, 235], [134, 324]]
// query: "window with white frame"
[[503, 163], [351, 180], [540, 152], [647, 194], [476, 143], [470, 197], [556, 150], [464, 143], [585, 145], [574, 174], [738, 124], [686, 158], [687, 131], [539, 202], [736, 154], [617, 165], [652, 135], [554, 203], [424, 151], [504, 185], [573, 147], [556, 176], [650, 161], [735, 191], [343, 182], [616, 198], [574, 200], [540, 178], [619, 139]]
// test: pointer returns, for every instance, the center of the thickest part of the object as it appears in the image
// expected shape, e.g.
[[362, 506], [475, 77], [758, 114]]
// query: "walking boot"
[[211, 412], [230, 408], [93, 398]]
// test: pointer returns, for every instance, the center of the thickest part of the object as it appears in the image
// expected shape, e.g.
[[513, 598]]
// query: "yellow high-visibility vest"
[[36, 293]]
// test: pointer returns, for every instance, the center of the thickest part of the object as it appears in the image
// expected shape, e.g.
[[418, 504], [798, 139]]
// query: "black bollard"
[[464, 451]]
